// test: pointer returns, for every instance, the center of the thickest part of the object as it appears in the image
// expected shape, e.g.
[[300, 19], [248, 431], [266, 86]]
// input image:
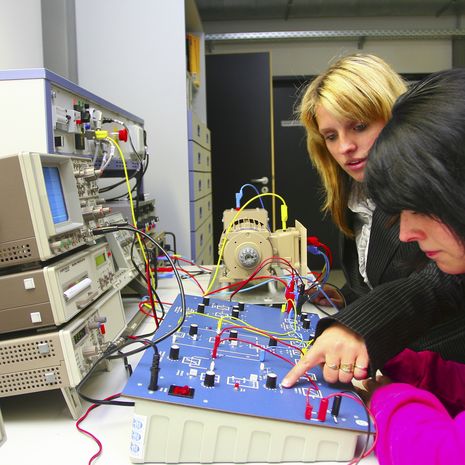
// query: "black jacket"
[[413, 304]]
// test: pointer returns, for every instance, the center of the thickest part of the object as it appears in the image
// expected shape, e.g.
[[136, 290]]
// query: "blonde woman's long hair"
[[358, 87]]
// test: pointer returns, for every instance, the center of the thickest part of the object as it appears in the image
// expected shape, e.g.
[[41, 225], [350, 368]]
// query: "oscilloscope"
[[53, 203]]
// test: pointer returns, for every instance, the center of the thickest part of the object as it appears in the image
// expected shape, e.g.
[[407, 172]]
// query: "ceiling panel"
[[237, 10]]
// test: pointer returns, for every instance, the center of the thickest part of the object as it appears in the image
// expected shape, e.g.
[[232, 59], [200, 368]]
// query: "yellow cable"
[[248, 327], [131, 203]]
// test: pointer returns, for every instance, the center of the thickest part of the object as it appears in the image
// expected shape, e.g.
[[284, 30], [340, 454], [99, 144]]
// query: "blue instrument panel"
[[243, 376]]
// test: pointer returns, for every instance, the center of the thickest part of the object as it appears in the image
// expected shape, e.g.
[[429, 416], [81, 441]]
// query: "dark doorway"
[[296, 179], [239, 117]]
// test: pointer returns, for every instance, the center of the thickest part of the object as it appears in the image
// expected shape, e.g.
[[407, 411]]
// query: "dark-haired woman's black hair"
[[418, 161]]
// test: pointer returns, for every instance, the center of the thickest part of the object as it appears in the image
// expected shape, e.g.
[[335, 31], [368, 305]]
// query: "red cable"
[[313, 240], [149, 287], [87, 433], [264, 263], [193, 278], [193, 264], [165, 269], [229, 286]]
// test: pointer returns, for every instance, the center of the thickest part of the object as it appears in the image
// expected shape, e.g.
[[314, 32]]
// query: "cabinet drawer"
[[200, 210], [197, 130], [205, 257], [200, 184], [206, 138], [199, 157], [201, 237]]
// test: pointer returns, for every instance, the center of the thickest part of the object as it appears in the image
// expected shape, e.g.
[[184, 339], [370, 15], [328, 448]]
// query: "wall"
[[59, 37], [135, 58], [39, 34], [21, 35], [297, 58]]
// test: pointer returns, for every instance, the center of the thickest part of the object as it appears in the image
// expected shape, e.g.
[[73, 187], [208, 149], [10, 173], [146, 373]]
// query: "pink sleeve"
[[415, 428], [427, 370]]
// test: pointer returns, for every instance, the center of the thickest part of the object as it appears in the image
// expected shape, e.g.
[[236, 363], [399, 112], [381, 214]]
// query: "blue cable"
[[240, 193], [316, 251]]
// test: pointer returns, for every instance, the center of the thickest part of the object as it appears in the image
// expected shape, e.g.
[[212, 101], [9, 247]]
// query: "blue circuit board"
[[236, 379]]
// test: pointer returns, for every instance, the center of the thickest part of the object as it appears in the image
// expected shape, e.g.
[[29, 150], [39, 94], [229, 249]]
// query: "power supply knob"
[[233, 334], [306, 323], [206, 301], [201, 308], [209, 380], [235, 312], [174, 352], [193, 330], [271, 380]]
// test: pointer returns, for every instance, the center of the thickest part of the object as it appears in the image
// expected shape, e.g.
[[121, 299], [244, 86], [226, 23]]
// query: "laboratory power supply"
[[53, 294], [60, 358]]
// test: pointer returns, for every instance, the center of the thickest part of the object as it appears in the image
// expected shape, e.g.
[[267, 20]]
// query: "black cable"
[[338, 290], [125, 194], [321, 309], [107, 355], [140, 172], [367, 440], [113, 186], [154, 292], [174, 241], [127, 227], [154, 264]]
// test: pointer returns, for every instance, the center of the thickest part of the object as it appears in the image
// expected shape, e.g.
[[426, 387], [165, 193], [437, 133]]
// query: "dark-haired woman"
[[417, 170]]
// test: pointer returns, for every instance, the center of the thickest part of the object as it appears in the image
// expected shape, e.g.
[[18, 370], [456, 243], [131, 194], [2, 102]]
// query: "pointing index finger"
[[308, 361]]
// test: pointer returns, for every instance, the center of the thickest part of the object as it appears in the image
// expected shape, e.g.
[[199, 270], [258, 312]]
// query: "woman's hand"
[[341, 351], [318, 298]]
